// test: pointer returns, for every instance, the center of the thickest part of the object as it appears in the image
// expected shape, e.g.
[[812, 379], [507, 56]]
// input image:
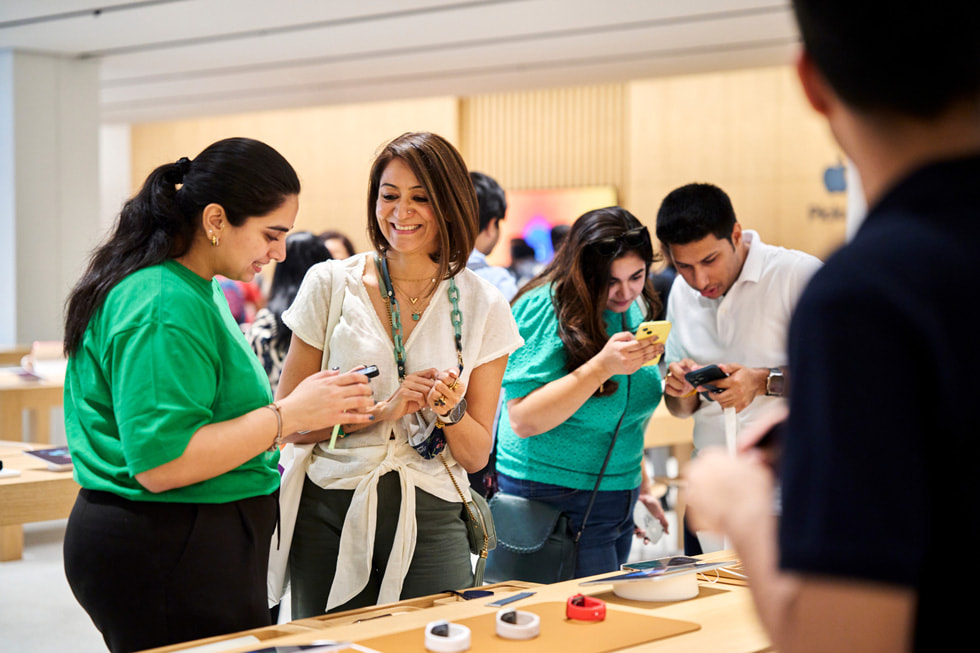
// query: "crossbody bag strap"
[[481, 562], [338, 282], [466, 504], [605, 463]]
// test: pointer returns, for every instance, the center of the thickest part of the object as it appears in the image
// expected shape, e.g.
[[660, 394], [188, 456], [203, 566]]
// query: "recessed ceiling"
[[168, 59]]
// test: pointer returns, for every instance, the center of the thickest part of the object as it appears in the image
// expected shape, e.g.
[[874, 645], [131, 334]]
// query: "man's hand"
[[741, 386], [679, 395], [675, 383]]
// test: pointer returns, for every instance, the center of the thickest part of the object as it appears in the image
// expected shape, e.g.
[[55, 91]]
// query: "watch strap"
[[453, 416]]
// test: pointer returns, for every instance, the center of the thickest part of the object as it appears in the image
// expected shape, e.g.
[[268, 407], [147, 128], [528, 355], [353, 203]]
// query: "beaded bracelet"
[[278, 441]]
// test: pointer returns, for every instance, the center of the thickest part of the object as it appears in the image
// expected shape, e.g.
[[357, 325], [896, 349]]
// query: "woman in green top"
[[169, 415], [579, 371]]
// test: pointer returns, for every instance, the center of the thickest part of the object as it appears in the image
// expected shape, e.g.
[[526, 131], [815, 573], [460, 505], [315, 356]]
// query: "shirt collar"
[[476, 260], [754, 260]]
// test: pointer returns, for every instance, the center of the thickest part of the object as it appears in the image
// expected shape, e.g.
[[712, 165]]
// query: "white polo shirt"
[[748, 325]]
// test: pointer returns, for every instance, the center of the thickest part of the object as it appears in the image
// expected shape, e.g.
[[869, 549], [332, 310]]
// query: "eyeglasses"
[[634, 238]]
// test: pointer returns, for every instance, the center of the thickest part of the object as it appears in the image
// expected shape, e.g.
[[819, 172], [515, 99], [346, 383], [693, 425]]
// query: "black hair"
[[519, 249], [910, 58], [579, 275], [490, 197], [345, 241], [693, 212], [558, 234], [303, 250], [247, 178]]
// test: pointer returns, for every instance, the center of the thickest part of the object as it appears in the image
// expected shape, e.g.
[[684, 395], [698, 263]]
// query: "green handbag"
[[480, 529], [534, 542]]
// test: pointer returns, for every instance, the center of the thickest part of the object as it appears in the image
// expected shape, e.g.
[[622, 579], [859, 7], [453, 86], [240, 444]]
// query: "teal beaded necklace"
[[395, 317]]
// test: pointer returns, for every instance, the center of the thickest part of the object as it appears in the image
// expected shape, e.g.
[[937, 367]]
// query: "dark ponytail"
[[246, 177]]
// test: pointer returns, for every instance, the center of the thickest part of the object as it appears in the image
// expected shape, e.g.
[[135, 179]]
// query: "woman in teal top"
[[168, 413], [579, 371]]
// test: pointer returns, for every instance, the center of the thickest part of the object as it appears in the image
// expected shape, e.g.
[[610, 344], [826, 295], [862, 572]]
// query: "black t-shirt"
[[878, 476]]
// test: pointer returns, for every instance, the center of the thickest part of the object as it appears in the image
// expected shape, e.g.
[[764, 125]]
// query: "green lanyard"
[[395, 318]]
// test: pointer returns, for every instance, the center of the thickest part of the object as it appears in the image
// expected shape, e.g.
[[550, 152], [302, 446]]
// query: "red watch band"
[[585, 608]]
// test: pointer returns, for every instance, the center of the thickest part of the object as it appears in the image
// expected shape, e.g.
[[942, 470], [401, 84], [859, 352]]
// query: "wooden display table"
[[723, 617], [36, 495], [12, 355], [37, 397], [665, 430]]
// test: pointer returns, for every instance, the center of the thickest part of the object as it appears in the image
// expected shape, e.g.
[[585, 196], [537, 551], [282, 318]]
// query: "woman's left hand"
[[446, 392], [652, 503]]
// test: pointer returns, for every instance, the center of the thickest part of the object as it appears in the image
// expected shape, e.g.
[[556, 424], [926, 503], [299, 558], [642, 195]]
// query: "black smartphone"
[[704, 376], [370, 371]]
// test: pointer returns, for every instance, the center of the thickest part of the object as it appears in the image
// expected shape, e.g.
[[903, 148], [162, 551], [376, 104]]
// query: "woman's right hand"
[[327, 398], [624, 354], [410, 395]]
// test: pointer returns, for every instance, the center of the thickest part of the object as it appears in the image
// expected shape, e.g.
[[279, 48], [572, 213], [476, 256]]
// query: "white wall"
[[115, 185], [49, 193]]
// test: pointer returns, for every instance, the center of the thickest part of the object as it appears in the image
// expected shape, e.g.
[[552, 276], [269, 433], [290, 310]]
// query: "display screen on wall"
[[531, 214]]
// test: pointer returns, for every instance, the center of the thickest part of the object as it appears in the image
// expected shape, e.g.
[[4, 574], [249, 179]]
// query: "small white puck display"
[[446, 637], [516, 624]]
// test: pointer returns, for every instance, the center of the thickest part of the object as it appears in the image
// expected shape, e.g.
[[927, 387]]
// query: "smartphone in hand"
[[370, 371], [659, 328], [704, 376]]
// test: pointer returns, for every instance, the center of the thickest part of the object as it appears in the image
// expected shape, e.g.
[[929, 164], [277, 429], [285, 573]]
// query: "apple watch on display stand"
[[517, 624], [585, 608], [446, 637]]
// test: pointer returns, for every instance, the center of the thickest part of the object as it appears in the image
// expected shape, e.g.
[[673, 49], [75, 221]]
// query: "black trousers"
[[152, 574]]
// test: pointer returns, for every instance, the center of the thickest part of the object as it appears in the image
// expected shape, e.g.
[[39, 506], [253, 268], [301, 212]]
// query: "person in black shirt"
[[878, 452]]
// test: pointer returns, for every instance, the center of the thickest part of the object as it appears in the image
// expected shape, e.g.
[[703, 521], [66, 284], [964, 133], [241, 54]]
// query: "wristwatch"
[[585, 608], [775, 383], [452, 416]]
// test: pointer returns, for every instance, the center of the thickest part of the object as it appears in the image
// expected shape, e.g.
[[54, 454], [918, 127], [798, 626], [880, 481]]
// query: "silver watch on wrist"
[[775, 383], [454, 415]]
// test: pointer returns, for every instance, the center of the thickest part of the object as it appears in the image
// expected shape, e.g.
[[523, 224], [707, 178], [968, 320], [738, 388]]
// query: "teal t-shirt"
[[161, 358], [571, 454]]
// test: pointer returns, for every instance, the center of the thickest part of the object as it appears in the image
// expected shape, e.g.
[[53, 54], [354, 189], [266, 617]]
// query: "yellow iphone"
[[659, 328]]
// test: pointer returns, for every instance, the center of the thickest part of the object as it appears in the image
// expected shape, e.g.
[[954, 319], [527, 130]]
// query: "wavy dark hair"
[[440, 169], [579, 276], [246, 177], [303, 251]]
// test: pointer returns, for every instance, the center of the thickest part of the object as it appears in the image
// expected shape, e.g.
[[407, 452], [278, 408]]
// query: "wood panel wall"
[[555, 138], [751, 133], [748, 131]]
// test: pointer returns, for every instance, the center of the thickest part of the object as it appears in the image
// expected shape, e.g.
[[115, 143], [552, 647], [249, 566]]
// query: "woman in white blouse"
[[380, 519]]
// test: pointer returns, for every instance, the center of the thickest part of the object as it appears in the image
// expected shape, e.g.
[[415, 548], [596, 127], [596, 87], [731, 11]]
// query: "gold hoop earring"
[[214, 240]]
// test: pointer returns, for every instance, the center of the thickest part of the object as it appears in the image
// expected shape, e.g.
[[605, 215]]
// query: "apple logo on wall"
[[834, 178]]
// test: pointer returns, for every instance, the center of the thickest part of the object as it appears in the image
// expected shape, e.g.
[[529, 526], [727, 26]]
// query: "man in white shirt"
[[730, 306], [493, 208]]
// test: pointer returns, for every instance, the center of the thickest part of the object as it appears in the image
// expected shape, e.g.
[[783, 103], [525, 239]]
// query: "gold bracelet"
[[278, 441]]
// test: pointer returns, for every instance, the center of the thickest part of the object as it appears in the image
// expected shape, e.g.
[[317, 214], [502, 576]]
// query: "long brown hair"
[[440, 169], [579, 278]]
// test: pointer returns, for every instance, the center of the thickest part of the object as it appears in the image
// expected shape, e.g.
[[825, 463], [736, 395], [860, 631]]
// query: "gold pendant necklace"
[[416, 314]]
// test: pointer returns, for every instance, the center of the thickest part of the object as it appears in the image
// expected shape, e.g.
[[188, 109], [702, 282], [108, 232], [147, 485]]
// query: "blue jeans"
[[606, 540]]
